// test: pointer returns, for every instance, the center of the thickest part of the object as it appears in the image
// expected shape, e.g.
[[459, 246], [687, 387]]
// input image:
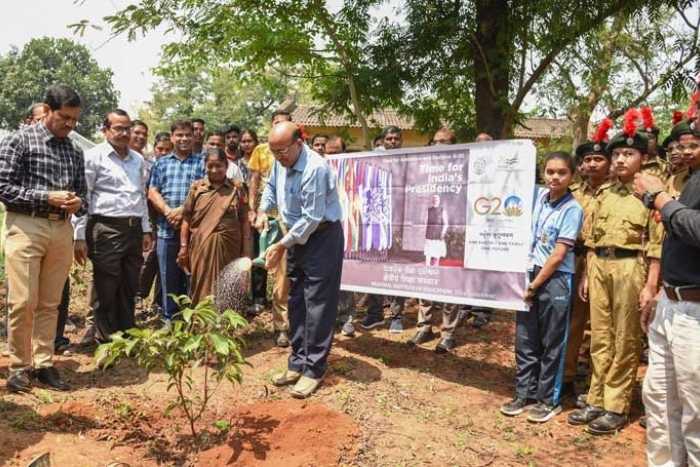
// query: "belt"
[[52, 216], [686, 293], [324, 225], [125, 221], [615, 253]]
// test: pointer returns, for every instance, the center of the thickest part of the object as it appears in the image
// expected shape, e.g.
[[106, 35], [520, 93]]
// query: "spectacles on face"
[[121, 129], [440, 141], [623, 154], [282, 152], [687, 147]]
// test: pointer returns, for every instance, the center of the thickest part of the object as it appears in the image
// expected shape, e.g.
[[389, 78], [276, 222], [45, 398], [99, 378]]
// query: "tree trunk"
[[492, 47], [357, 110]]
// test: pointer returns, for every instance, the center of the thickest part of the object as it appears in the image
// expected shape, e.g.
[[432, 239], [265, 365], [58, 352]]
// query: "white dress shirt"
[[115, 187]]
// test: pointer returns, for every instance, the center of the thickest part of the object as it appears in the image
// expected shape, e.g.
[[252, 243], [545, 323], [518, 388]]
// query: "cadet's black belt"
[[125, 221], [52, 216], [615, 253], [686, 293]]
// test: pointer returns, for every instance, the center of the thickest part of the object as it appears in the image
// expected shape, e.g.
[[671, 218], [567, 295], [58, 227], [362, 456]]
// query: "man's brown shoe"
[[305, 387], [286, 378]]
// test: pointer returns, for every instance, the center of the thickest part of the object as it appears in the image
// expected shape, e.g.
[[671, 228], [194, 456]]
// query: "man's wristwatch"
[[649, 197]]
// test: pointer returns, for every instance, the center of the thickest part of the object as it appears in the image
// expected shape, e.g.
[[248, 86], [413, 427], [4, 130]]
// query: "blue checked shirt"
[[33, 162], [173, 178], [306, 194]]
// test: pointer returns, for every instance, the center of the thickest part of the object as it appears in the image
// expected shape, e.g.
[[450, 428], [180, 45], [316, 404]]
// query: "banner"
[[443, 223]]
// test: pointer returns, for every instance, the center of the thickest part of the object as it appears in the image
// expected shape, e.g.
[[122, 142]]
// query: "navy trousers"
[[173, 280], [540, 340], [314, 270]]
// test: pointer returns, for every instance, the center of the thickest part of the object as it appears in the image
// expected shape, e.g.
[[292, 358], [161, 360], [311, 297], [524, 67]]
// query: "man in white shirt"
[[116, 230]]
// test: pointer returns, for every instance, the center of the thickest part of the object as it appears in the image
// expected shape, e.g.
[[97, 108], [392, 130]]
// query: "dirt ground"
[[383, 404]]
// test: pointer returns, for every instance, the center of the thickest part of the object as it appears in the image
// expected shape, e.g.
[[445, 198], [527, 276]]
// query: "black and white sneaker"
[[517, 406], [542, 412]]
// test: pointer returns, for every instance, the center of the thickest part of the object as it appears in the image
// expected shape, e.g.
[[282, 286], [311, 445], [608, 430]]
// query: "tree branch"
[[574, 34]]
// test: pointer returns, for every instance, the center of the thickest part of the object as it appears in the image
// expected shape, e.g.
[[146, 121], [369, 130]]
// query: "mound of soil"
[[286, 433]]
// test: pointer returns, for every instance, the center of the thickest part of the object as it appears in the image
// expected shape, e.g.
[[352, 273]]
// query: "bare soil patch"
[[383, 404]]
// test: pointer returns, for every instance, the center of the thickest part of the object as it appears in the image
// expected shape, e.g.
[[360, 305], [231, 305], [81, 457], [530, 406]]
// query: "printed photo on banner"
[[438, 223]]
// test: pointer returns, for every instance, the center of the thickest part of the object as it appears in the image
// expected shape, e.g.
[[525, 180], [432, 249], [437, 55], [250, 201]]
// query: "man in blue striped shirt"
[[171, 178], [303, 187]]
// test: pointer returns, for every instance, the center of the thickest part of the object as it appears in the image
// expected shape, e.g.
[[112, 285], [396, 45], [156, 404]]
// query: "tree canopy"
[[470, 63], [216, 95], [25, 74]]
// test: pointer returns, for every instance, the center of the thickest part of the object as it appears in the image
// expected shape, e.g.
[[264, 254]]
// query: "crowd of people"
[[614, 255]]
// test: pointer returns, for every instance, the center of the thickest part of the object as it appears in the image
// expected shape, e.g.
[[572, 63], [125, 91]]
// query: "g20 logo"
[[485, 206]]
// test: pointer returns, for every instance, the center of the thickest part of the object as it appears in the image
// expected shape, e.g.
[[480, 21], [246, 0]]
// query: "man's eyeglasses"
[[283, 152], [121, 129], [688, 147]]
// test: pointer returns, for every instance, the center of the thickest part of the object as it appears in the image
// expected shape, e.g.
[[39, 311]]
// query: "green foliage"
[[301, 39], [474, 63], [626, 62], [25, 75], [200, 338], [216, 95], [470, 63]]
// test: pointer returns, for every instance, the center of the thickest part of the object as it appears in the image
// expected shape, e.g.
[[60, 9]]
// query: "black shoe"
[[281, 339], [582, 401], [445, 346], [421, 337], [51, 378], [19, 381], [517, 406], [643, 421], [585, 415], [607, 424]]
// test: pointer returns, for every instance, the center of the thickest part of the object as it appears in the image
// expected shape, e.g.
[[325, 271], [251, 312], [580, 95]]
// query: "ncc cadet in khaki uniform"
[[680, 173], [622, 274], [654, 165], [595, 165]]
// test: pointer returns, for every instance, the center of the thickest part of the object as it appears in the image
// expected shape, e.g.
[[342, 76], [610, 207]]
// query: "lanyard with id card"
[[539, 233]]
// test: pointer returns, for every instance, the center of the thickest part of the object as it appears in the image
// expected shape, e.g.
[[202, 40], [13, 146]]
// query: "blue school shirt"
[[552, 223]]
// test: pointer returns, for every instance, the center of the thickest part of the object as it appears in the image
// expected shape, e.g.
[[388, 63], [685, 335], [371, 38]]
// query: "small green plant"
[[222, 425], [524, 451], [199, 337]]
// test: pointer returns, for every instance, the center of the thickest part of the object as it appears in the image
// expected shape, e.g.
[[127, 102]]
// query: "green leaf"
[[221, 344], [192, 343]]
